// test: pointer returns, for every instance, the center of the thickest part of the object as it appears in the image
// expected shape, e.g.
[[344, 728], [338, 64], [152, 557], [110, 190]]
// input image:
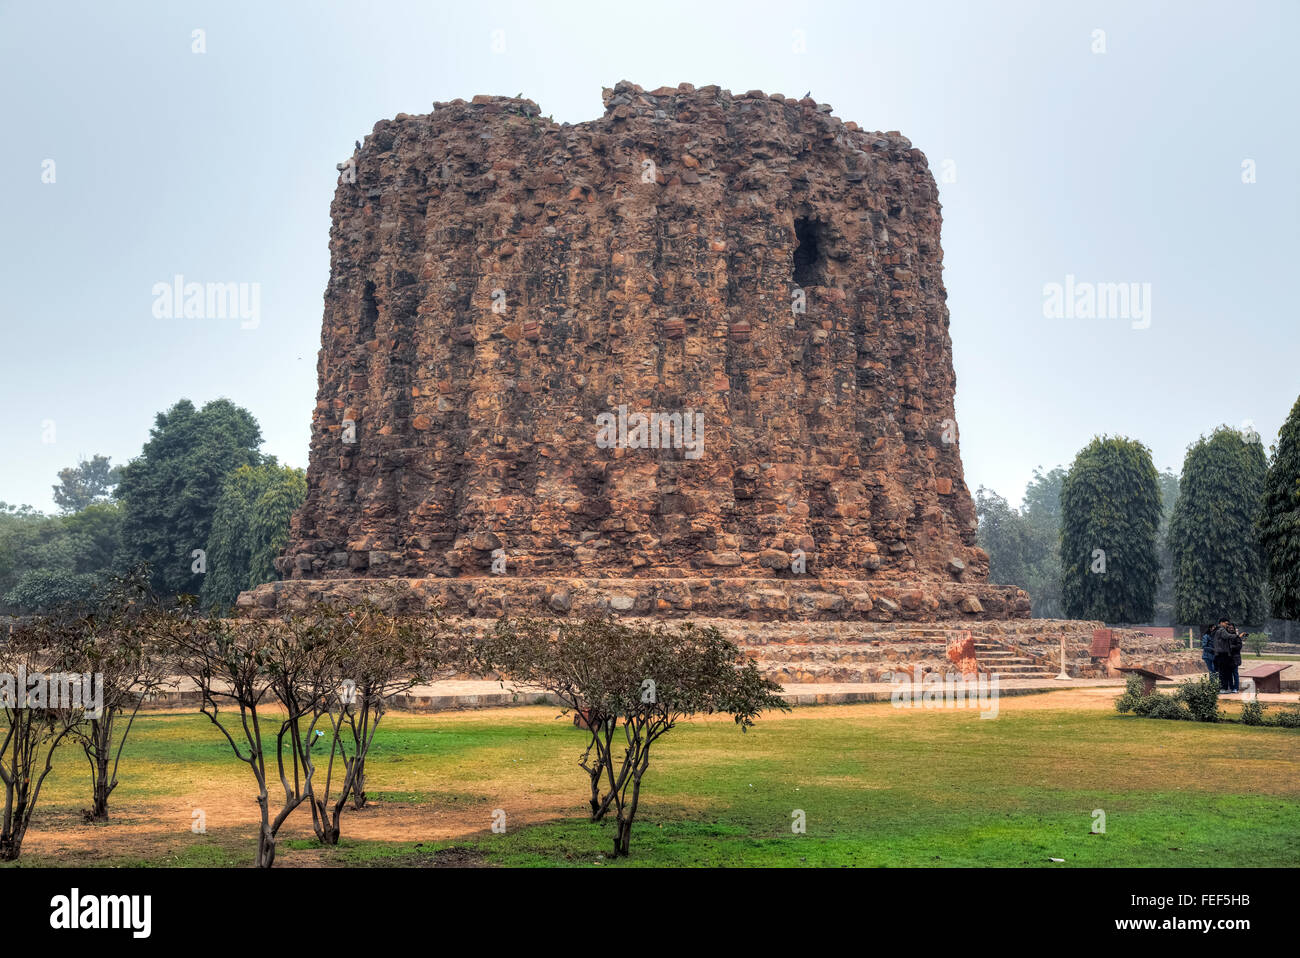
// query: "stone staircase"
[[1010, 663], [845, 656]]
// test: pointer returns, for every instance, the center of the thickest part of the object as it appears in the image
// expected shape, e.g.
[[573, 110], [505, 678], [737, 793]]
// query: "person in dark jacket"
[[1238, 640], [1207, 648], [1223, 655]]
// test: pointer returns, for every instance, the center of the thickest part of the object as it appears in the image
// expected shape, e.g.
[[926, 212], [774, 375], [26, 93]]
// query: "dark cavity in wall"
[[369, 311], [808, 255]]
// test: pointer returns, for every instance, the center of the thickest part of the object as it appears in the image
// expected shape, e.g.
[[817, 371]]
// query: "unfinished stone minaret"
[[750, 268]]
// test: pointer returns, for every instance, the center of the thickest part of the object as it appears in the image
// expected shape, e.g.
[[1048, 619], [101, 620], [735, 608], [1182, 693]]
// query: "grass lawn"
[[878, 786]]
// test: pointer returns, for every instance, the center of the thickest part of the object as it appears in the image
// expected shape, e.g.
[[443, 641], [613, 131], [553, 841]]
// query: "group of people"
[[1221, 652]]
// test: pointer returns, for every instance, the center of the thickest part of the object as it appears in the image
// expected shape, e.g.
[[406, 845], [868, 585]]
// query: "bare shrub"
[[632, 684]]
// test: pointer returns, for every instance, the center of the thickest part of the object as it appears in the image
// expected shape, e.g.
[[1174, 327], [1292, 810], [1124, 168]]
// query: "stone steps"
[[821, 671], [811, 655], [829, 634], [815, 652], [1007, 662]]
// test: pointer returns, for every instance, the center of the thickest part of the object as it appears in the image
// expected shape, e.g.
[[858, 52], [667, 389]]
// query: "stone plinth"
[[757, 600]]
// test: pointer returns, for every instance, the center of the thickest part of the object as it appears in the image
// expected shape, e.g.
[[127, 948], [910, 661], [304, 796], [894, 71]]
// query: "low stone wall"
[[1165, 655], [854, 652], [749, 599]]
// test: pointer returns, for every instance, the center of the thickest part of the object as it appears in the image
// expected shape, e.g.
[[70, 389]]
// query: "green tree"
[[170, 491], [1042, 511], [1005, 535], [1043, 497], [1023, 543], [1110, 515], [89, 481], [49, 560], [1164, 610], [42, 590], [97, 532], [249, 529], [22, 529], [1279, 520], [1218, 570]]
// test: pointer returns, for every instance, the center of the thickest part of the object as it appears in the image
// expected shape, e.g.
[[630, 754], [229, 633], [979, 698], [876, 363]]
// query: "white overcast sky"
[[1122, 166]]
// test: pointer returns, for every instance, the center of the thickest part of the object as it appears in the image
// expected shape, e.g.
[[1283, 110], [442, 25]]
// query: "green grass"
[[878, 786]]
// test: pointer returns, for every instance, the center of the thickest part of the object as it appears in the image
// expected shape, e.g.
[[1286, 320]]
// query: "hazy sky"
[[1123, 166]]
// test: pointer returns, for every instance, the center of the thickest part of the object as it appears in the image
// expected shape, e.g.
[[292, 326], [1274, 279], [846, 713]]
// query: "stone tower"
[[509, 296]]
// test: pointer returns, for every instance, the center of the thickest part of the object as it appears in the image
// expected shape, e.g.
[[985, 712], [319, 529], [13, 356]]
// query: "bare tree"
[[380, 655], [112, 637], [254, 666], [37, 717], [637, 680]]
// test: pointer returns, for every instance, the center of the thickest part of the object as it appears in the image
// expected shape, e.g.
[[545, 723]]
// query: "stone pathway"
[[485, 693]]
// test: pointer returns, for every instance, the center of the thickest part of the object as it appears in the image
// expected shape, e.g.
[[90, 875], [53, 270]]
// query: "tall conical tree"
[[1110, 515], [1212, 537], [1164, 607], [1279, 521]]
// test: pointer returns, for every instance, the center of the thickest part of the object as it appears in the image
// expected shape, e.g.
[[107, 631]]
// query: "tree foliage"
[[170, 491], [89, 481], [249, 529], [1164, 606], [1110, 517], [1042, 511], [49, 560], [1279, 520], [1023, 544], [1043, 497], [1005, 535], [1218, 570]]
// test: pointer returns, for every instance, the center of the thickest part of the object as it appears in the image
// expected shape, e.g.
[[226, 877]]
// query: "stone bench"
[[1149, 678], [1267, 677]]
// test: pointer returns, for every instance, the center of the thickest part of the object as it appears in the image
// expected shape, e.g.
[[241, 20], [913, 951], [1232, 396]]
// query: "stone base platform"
[[748, 599], [802, 632]]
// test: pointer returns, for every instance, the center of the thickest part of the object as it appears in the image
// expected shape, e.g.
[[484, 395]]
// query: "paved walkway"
[[484, 694], [481, 693]]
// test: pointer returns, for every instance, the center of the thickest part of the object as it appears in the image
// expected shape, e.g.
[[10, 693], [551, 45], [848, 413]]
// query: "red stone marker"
[[1102, 642]]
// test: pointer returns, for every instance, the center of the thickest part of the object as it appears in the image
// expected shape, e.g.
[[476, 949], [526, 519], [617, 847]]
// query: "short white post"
[[1064, 676]]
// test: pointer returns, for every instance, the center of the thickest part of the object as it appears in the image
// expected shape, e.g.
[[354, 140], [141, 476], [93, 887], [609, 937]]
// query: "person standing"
[[1238, 640], [1207, 648], [1223, 655]]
